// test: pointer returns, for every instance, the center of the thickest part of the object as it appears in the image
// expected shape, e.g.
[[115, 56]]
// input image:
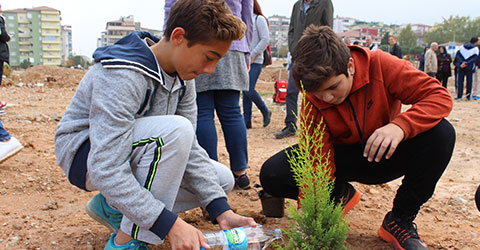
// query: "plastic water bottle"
[[242, 238]]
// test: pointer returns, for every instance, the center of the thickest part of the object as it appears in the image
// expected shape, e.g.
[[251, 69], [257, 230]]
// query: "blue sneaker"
[[99, 210], [131, 245]]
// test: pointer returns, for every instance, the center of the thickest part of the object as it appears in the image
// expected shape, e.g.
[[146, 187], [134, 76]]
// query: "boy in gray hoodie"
[[129, 131]]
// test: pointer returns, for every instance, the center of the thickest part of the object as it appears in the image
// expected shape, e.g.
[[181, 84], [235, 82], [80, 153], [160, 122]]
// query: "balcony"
[[51, 26], [51, 48], [55, 42], [51, 19], [51, 57], [24, 42]]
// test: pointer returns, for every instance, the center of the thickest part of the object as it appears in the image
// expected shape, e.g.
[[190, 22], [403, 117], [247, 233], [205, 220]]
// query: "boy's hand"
[[229, 219], [184, 236], [387, 136]]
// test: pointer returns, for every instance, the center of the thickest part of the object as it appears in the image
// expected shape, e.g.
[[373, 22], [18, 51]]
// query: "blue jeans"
[[462, 73], [226, 104], [292, 103], [252, 94], [4, 135]]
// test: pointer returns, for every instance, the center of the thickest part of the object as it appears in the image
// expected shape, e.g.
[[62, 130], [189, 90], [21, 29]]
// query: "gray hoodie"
[[125, 84]]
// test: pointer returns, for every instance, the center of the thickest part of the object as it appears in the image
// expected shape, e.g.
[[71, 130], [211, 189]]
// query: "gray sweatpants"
[[169, 185]]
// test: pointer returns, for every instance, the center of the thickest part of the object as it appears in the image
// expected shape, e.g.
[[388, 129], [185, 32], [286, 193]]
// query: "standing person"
[[465, 60], [396, 49], [476, 79], [260, 41], [129, 131], [358, 95], [444, 68], [4, 38], [369, 43], [431, 63], [421, 60], [304, 13], [220, 93]]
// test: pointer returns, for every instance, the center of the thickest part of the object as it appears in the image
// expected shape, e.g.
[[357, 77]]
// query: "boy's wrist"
[[217, 207], [164, 223]]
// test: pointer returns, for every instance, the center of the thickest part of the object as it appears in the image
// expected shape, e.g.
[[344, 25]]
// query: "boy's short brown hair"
[[320, 55], [205, 21]]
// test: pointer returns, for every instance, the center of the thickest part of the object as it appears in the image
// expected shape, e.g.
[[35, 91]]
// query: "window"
[[50, 38], [13, 53], [29, 15], [10, 17], [10, 25]]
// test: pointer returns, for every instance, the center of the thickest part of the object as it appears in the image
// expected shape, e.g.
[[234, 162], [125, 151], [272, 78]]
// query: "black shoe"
[[242, 181], [286, 132], [349, 198], [401, 233], [248, 124], [267, 118]]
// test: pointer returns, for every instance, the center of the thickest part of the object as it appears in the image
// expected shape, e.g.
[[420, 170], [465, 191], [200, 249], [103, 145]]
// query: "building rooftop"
[[46, 8], [16, 10]]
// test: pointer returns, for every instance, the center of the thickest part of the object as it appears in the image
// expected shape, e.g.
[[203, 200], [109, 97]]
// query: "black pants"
[[291, 102], [421, 160], [443, 78], [1, 71]]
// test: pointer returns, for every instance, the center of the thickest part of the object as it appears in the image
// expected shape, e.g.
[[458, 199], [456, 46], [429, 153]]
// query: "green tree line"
[[455, 28]]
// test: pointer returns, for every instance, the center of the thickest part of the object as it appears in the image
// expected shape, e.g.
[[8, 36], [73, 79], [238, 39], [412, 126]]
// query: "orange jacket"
[[381, 84]]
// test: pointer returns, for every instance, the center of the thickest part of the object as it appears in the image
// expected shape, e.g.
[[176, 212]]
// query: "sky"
[[89, 17]]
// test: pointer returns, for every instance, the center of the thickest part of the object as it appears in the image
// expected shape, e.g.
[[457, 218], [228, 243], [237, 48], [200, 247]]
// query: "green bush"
[[319, 224]]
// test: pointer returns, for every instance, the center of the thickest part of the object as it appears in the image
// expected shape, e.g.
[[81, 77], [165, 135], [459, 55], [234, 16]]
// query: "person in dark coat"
[[396, 49], [444, 69], [304, 13], [421, 65], [4, 38], [465, 63]]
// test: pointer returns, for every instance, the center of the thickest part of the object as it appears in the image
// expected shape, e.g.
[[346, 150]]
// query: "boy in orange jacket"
[[358, 93]]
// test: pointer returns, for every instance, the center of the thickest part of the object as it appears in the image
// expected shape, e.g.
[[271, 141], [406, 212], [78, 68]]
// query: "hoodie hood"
[[131, 52], [468, 53], [468, 46]]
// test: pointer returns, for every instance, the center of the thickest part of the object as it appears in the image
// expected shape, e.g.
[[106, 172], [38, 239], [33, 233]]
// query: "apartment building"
[[117, 29], [36, 35], [67, 47], [279, 32]]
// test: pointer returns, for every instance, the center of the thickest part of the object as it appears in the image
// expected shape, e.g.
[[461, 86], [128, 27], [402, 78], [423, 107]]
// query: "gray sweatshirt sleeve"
[[263, 37], [111, 118]]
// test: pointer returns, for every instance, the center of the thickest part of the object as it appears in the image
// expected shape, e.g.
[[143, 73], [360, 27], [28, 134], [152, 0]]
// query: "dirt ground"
[[39, 209]]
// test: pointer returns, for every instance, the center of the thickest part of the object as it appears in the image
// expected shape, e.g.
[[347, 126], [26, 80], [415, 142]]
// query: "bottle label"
[[237, 238]]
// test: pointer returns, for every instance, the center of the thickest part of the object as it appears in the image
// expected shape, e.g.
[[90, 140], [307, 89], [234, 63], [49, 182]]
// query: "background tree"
[[408, 40], [385, 39], [25, 64], [407, 37], [455, 28], [384, 45]]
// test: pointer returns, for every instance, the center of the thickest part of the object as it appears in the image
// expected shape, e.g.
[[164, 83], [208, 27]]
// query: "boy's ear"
[[351, 66], [177, 36]]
